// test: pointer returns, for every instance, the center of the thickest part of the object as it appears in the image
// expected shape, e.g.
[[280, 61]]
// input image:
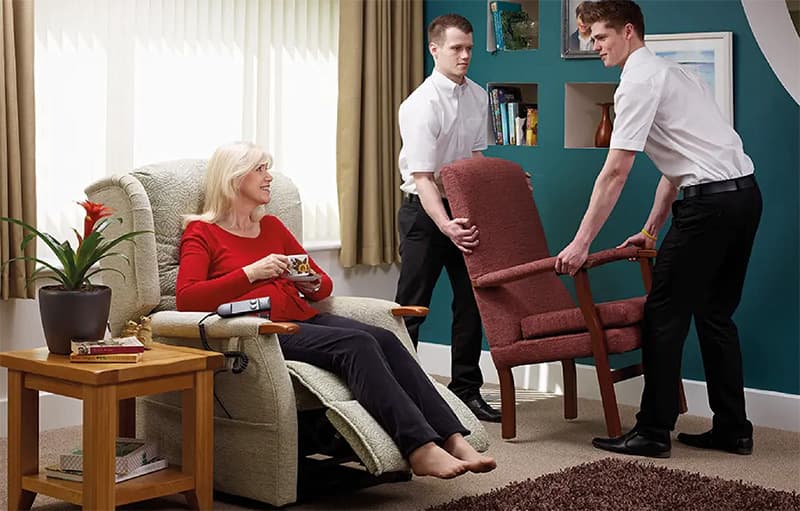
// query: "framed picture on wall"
[[709, 54], [576, 38]]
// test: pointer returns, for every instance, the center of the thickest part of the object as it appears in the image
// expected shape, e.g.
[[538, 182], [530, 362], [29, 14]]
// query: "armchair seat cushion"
[[616, 314], [564, 347]]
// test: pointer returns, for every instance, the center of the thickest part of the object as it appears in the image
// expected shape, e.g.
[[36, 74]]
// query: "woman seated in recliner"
[[226, 255]]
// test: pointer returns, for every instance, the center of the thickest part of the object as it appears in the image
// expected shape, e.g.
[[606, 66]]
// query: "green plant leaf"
[[100, 270], [60, 276]]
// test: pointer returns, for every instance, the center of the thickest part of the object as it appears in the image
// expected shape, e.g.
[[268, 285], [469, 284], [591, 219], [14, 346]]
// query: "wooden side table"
[[108, 392]]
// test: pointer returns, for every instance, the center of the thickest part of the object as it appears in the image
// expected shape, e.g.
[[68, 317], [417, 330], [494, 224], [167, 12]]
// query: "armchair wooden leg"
[[570, 389], [609, 397], [508, 403]]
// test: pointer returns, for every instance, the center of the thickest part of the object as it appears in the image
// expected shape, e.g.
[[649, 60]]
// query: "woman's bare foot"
[[458, 446], [432, 460]]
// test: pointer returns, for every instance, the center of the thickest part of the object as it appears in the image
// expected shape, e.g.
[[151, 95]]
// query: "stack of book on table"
[[134, 458], [114, 350]]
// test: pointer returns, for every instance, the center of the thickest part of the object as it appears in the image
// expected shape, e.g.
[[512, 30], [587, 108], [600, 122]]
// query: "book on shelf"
[[498, 8], [131, 453], [501, 96], [513, 110], [108, 358], [497, 123], [153, 465], [104, 346]]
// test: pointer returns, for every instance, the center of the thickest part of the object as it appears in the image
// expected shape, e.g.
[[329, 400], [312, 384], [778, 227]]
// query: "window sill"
[[320, 246]]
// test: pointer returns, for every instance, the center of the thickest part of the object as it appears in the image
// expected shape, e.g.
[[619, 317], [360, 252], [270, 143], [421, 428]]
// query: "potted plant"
[[74, 308]]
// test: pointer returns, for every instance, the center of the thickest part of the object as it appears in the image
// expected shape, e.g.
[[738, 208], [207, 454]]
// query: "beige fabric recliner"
[[256, 448]]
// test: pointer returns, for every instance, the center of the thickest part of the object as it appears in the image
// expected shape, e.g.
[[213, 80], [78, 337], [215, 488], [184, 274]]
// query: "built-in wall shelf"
[[525, 33], [582, 113], [509, 101]]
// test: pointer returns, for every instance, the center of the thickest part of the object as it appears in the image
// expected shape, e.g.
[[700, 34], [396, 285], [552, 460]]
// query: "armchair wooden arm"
[[278, 328], [499, 277], [410, 310]]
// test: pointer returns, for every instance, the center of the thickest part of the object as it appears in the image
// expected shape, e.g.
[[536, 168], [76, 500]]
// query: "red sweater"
[[211, 273]]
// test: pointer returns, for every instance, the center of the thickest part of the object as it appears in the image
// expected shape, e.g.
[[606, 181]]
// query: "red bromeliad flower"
[[94, 212]]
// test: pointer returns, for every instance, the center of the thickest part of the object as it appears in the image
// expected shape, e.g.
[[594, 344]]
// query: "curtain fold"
[[381, 51], [17, 152]]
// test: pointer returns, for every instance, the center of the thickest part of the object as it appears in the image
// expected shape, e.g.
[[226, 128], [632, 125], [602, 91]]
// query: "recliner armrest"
[[185, 325]]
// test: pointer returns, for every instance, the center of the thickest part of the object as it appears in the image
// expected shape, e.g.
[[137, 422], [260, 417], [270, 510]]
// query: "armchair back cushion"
[[511, 233]]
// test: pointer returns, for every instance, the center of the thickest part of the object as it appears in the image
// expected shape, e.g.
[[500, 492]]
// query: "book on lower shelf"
[[108, 358], [104, 346], [131, 453], [154, 465]]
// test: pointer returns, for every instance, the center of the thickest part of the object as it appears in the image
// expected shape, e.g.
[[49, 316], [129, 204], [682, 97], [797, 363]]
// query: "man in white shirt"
[[670, 113], [443, 120]]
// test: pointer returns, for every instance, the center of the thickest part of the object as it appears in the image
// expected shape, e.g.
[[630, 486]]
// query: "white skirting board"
[[54, 412], [764, 408]]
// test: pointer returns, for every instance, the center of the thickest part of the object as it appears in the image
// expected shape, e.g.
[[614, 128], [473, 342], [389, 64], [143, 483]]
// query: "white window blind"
[[124, 83]]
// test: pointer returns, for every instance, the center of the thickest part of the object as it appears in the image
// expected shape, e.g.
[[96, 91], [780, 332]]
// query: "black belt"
[[729, 185], [414, 199]]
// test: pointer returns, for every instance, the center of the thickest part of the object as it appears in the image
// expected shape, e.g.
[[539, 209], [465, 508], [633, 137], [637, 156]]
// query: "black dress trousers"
[[699, 272], [381, 374], [425, 251]]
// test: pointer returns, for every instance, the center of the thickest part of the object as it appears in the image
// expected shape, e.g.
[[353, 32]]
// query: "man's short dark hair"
[[439, 26], [580, 8], [616, 14]]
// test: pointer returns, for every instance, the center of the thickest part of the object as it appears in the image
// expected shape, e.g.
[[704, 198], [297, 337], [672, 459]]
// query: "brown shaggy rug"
[[613, 484]]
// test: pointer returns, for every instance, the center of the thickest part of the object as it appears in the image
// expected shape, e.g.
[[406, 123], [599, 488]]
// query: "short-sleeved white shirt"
[[440, 122], [670, 113]]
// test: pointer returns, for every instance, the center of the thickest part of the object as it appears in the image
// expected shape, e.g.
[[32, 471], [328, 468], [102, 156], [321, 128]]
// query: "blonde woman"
[[228, 254]]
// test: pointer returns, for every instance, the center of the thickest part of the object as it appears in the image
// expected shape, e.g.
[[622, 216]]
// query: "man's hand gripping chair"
[[256, 450], [528, 314]]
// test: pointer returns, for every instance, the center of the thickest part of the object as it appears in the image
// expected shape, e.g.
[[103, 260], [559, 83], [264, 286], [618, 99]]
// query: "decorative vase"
[[68, 315], [602, 137]]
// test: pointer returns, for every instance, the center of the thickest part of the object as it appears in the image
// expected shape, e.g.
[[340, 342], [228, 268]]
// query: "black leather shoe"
[[707, 440], [481, 408], [636, 444]]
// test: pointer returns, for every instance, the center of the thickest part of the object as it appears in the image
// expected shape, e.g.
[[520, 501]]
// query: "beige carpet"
[[545, 443]]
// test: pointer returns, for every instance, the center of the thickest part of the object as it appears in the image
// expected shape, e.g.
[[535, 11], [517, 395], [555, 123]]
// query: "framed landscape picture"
[[576, 40], [709, 54]]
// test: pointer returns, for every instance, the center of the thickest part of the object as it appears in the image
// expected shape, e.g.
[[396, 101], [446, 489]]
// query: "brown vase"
[[68, 315], [602, 137]]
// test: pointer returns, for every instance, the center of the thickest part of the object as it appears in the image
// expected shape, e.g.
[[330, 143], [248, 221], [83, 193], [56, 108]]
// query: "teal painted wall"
[[768, 121]]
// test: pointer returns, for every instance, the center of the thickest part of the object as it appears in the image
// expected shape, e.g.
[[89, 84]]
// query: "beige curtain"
[[381, 50], [17, 180]]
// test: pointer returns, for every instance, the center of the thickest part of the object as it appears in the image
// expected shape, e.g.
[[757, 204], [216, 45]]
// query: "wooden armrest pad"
[[278, 328], [410, 310]]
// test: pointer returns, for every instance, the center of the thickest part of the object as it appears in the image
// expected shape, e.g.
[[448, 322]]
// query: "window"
[[124, 83]]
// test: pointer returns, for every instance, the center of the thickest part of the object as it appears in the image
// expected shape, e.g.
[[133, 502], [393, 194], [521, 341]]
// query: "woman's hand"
[[310, 286], [269, 267]]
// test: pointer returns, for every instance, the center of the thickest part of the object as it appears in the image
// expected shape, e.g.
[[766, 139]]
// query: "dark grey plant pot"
[[68, 315]]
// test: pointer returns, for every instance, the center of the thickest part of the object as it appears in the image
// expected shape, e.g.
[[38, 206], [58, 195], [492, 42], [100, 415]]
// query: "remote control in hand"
[[226, 310]]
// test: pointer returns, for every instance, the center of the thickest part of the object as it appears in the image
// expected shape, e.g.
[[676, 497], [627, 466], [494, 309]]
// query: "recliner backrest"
[[155, 197]]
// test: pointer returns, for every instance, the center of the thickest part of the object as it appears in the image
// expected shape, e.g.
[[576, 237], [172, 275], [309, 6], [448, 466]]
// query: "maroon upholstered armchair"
[[528, 314]]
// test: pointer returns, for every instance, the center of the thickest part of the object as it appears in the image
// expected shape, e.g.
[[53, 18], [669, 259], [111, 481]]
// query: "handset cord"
[[240, 359]]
